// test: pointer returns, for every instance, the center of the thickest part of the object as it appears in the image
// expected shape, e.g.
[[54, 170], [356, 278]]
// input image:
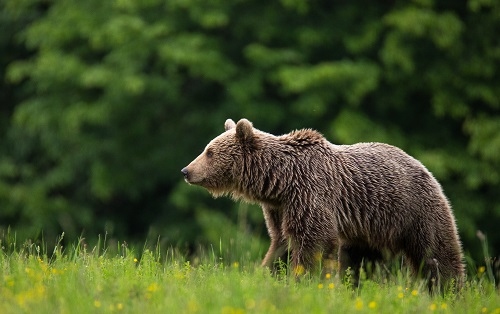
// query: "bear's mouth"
[[189, 179], [186, 175]]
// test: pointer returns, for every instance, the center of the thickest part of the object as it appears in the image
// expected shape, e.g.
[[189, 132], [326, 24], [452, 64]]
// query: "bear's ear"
[[229, 124], [244, 131]]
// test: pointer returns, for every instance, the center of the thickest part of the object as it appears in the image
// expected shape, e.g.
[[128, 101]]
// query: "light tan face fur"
[[214, 168], [201, 168]]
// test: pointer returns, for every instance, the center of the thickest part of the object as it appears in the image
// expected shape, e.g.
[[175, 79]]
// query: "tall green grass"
[[119, 279]]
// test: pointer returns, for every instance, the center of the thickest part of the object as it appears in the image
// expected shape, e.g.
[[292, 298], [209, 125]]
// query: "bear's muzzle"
[[185, 173]]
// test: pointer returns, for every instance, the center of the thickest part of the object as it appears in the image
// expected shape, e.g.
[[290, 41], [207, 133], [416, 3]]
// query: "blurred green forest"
[[103, 102]]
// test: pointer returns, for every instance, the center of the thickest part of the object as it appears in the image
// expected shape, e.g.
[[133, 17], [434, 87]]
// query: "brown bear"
[[363, 199]]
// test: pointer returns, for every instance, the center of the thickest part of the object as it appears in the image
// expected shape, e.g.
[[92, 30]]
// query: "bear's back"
[[380, 158], [382, 181]]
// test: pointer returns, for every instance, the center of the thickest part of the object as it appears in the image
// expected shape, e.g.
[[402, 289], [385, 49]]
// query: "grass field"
[[79, 279]]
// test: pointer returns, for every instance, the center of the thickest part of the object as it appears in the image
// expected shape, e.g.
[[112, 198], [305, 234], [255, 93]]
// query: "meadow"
[[118, 279]]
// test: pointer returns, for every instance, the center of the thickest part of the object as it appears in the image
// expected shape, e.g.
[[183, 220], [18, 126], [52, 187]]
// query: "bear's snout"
[[191, 176]]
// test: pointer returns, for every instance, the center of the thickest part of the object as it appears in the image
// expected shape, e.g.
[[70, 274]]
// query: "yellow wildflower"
[[250, 304], [320, 286], [372, 305], [193, 306], [328, 275], [97, 303], [299, 270], [414, 293], [232, 310], [153, 287], [358, 305], [433, 307], [331, 286], [444, 306], [401, 295]]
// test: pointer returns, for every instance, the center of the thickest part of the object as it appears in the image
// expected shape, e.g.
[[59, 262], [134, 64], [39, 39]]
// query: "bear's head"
[[217, 168]]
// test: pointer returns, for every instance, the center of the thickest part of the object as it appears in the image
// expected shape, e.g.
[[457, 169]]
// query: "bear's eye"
[[209, 153]]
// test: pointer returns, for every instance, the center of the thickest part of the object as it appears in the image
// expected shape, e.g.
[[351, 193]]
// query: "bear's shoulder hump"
[[303, 137]]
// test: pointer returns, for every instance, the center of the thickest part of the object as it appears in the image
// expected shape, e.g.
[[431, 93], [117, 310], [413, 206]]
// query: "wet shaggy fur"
[[361, 200]]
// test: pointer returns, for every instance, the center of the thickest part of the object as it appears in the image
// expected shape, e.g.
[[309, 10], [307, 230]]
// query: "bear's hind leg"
[[440, 268]]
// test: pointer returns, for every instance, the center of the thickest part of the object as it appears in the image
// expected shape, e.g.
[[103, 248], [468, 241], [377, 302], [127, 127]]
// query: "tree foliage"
[[105, 101]]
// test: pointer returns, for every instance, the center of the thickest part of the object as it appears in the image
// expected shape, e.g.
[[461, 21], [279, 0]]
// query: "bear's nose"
[[184, 172]]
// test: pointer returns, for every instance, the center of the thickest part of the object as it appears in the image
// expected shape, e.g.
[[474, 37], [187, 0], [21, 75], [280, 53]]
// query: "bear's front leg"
[[303, 259], [279, 246], [277, 250], [307, 239]]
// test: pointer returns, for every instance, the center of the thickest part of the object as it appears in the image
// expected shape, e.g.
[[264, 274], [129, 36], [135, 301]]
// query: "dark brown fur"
[[362, 199]]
